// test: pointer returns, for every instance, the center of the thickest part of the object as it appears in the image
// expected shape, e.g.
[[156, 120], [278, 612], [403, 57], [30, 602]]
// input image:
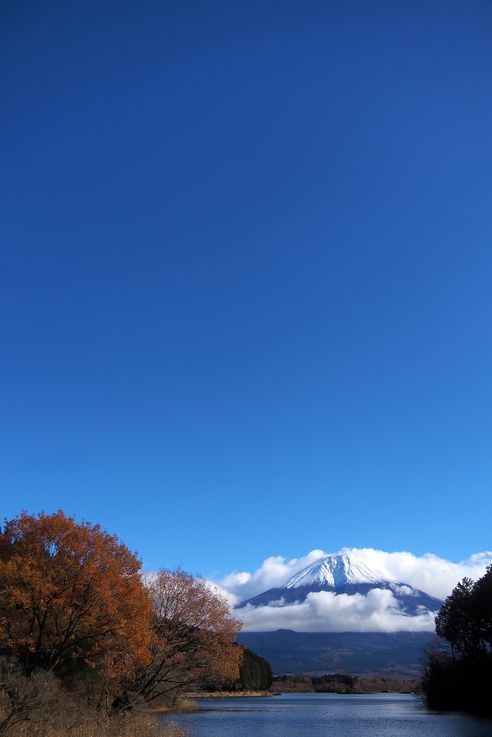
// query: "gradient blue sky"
[[246, 274]]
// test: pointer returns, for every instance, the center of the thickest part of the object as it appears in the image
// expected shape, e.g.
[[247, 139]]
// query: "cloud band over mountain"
[[376, 611]]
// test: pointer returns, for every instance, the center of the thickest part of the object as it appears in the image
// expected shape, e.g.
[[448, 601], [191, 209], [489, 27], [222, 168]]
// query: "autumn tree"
[[71, 595], [194, 637]]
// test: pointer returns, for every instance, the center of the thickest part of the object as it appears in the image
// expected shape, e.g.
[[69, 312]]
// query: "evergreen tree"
[[459, 676]]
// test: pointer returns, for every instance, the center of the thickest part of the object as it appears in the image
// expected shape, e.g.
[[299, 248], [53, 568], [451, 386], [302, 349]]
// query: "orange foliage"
[[192, 619], [70, 593], [194, 638]]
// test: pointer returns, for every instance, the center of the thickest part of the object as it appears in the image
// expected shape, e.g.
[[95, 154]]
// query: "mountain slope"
[[345, 574], [337, 571], [391, 654]]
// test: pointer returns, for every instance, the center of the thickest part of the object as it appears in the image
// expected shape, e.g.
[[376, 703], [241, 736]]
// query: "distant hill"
[[391, 655]]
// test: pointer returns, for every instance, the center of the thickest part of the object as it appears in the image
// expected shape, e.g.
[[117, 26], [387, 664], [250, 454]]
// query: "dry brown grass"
[[129, 725], [38, 706]]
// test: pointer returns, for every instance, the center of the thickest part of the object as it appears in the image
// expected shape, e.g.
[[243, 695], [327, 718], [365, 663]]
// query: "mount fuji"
[[344, 573], [329, 649]]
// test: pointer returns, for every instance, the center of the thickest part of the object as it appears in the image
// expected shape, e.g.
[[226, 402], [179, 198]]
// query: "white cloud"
[[375, 612], [434, 575], [274, 571], [324, 611], [231, 598]]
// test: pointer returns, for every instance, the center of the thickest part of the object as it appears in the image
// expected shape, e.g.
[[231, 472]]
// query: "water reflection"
[[327, 715]]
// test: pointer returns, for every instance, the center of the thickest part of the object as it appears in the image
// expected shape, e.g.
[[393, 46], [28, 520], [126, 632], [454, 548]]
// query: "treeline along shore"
[[343, 683]]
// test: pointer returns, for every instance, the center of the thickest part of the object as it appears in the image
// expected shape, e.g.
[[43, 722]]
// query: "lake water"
[[326, 715]]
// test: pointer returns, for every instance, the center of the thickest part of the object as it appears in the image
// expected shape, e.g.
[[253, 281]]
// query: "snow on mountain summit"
[[337, 570], [344, 574]]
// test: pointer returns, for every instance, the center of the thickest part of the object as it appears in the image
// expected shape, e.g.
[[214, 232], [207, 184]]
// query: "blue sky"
[[245, 274]]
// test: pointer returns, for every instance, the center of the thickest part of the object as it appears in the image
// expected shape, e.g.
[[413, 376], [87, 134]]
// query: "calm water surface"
[[327, 715]]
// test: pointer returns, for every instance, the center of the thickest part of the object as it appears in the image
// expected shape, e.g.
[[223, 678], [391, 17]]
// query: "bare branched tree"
[[194, 637], [35, 698]]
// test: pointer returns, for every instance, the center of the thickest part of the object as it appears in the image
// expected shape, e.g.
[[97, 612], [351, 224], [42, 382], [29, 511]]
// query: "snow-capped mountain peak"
[[336, 571], [344, 574]]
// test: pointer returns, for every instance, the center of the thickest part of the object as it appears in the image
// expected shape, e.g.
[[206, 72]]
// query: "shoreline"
[[226, 694]]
